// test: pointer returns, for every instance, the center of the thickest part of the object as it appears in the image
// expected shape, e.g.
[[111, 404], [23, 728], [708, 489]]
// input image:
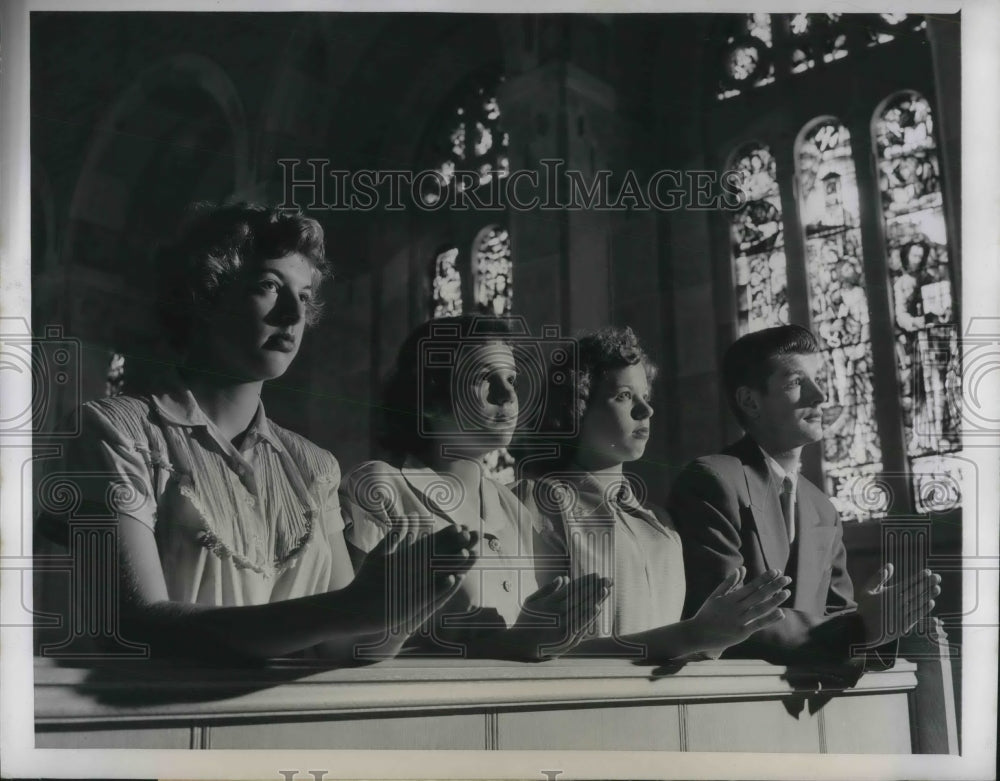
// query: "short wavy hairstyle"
[[748, 359], [598, 353], [213, 245], [416, 387]]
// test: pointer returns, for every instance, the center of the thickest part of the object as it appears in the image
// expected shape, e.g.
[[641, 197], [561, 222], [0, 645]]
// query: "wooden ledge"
[[158, 692]]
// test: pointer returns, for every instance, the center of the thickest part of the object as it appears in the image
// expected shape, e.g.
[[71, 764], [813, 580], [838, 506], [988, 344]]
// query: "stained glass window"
[[801, 28], [446, 285], [493, 289], [757, 243], [838, 305], [751, 56], [927, 353], [885, 27], [747, 56], [476, 141], [115, 379]]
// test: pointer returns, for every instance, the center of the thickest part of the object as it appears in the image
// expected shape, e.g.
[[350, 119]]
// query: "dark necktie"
[[788, 507]]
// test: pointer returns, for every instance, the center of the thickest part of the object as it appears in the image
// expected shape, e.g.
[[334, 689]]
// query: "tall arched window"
[[471, 137], [757, 243], [446, 284], [927, 354], [493, 283], [838, 306]]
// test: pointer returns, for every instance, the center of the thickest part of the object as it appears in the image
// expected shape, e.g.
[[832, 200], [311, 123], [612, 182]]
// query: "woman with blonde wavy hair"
[[598, 522]]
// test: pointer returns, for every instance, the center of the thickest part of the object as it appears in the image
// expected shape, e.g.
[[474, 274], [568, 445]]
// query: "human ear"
[[747, 401]]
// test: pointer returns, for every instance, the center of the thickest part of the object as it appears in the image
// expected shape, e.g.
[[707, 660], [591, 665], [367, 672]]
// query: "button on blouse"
[[232, 526], [377, 497]]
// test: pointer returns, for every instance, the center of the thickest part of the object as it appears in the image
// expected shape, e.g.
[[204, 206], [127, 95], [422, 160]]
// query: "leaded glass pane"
[[888, 26], [447, 285], [457, 139], [937, 483], [929, 364], [115, 379], [927, 351], [801, 27], [749, 38], [757, 244], [838, 306], [851, 449], [493, 290], [834, 38], [472, 139]]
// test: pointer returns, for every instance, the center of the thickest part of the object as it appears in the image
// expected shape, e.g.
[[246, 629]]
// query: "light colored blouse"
[[377, 497], [611, 533], [232, 527]]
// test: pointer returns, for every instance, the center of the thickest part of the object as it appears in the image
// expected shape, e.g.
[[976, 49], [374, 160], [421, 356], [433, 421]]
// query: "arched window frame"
[[481, 294], [743, 267], [852, 446], [935, 473]]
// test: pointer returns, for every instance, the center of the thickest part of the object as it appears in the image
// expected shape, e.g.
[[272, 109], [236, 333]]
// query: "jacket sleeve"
[[705, 508], [705, 512]]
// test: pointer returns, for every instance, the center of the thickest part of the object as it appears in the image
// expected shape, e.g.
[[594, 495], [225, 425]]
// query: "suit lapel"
[[765, 504]]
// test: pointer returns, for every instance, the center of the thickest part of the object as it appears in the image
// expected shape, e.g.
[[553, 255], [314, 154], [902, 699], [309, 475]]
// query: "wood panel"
[[456, 731], [868, 725], [163, 737], [644, 727], [750, 726]]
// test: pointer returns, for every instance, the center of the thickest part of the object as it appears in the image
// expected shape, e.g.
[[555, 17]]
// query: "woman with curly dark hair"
[[590, 514], [450, 399], [229, 531]]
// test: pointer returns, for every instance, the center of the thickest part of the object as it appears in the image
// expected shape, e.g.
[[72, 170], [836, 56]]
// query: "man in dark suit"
[[749, 506]]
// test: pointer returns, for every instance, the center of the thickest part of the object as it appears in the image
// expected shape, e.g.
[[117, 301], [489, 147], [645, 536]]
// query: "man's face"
[[787, 414]]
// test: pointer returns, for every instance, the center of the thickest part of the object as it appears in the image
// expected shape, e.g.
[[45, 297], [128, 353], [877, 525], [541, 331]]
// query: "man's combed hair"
[[605, 350], [417, 388], [214, 244], [748, 359]]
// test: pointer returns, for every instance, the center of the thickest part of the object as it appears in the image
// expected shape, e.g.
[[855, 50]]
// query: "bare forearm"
[[673, 641], [332, 619]]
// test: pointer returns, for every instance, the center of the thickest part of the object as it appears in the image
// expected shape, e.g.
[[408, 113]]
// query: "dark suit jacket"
[[727, 510]]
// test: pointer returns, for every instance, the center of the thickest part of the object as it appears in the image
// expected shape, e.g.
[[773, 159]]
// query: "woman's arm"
[[337, 619], [732, 613]]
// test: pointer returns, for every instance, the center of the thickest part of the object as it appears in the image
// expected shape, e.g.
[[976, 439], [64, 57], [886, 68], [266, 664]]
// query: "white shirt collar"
[[177, 406], [779, 472]]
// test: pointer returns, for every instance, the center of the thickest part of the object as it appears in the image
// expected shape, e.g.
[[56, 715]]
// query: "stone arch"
[[169, 109]]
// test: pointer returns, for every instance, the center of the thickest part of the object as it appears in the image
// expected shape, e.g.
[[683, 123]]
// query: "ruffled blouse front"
[[232, 526]]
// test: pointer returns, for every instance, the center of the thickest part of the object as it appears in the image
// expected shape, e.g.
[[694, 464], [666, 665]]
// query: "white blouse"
[[232, 527], [377, 497], [611, 533]]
